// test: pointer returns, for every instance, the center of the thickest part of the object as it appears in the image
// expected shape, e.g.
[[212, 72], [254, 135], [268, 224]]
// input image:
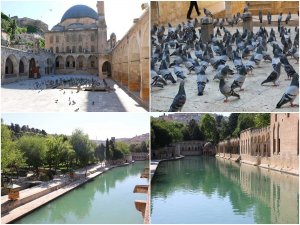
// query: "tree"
[[100, 152], [224, 130], [262, 119], [232, 122], [208, 127], [58, 150], [11, 156], [161, 133], [34, 149], [194, 131], [143, 147], [107, 150], [83, 147], [245, 120]]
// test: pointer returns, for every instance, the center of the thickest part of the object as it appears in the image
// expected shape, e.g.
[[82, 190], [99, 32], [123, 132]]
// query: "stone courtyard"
[[23, 97], [254, 98]]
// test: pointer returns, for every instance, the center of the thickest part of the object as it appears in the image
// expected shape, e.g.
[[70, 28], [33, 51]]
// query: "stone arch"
[[70, 62], [33, 69], [11, 66], [154, 12], [23, 66], [59, 62], [106, 69], [92, 62], [80, 62], [134, 77], [48, 66]]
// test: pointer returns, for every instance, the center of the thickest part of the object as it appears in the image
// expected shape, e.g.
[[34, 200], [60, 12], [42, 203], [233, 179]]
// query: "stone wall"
[[140, 156], [163, 12], [130, 58], [19, 65], [190, 148], [285, 140]]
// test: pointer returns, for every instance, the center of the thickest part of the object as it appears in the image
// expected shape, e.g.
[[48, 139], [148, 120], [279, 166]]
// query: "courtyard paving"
[[22, 97], [255, 98]]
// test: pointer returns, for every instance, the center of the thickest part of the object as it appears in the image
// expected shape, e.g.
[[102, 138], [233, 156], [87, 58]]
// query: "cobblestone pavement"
[[21, 97], [255, 98]]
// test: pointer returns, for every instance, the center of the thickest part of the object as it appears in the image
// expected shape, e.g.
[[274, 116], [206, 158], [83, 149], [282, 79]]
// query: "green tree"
[[194, 131], [100, 152], [83, 147], [208, 127], [245, 120], [108, 154], [34, 149], [161, 134], [143, 147], [11, 156], [262, 119], [123, 147], [224, 129], [233, 122]]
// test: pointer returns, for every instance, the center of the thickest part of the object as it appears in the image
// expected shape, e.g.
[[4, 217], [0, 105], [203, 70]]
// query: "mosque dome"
[[79, 11]]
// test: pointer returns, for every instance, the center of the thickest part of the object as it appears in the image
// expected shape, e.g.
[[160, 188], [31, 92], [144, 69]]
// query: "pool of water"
[[109, 198], [212, 190]]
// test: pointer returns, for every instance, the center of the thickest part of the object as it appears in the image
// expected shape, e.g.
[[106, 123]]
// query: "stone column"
[[247, 22], [207, 29]]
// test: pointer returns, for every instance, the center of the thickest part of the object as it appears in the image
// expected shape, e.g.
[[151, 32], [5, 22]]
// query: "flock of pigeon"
[[172, 48], [68, 82]]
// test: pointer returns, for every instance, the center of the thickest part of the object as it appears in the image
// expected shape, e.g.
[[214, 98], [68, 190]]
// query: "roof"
[[79, 11]]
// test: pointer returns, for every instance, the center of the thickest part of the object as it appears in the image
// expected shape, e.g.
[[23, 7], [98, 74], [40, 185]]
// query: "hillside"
[[136, 139]]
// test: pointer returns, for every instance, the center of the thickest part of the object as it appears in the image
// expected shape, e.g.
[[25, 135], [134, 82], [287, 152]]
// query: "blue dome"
[[79, 11]]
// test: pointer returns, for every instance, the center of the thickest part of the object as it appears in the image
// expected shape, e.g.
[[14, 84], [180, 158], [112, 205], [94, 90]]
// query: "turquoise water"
[[210, 190], [109, 198]]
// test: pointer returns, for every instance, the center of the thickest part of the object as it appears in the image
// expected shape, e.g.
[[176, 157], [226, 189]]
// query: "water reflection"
[[210, 189], [109, 198]]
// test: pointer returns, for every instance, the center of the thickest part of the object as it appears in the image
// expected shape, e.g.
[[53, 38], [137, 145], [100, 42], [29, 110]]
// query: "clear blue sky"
[[100, 125], [119, 14]]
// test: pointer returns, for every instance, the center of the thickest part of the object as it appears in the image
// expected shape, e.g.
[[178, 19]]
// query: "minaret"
[[102, 29]]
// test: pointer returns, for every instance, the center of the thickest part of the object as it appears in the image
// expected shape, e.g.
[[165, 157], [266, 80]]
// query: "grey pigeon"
[[273, 77], [201, 81], [291, 93], [179, 99], [239, 79], [226, 90]]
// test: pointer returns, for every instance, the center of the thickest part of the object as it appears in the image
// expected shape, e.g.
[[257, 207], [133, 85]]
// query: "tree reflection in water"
[[262, 195], [109, 198]]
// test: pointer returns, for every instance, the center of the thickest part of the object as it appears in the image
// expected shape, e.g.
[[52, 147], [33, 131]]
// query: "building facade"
[[273, 147]]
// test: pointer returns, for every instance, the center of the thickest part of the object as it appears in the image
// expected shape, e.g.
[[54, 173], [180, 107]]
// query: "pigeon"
[[291, 93], [222, 72], [226, 90], [250, 64], [290, 71], [273, 77], [240, 79], [165, 72], [179, 99], [201, 81], [207, 13], [179, 71]]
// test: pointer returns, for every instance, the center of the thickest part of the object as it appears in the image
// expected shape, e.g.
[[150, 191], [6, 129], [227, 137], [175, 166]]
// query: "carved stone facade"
[[20, 65], [190, 148], [274, 147]]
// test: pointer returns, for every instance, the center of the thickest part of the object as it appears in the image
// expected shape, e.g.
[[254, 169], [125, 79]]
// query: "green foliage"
[[138, 147], [31, 29], [192, 131], [123, 147], [208, 126], [42, 43], [245, 120], [34, 149], [262, 119], [161, 132], [11, 156], [83, 147], [100, 152]]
